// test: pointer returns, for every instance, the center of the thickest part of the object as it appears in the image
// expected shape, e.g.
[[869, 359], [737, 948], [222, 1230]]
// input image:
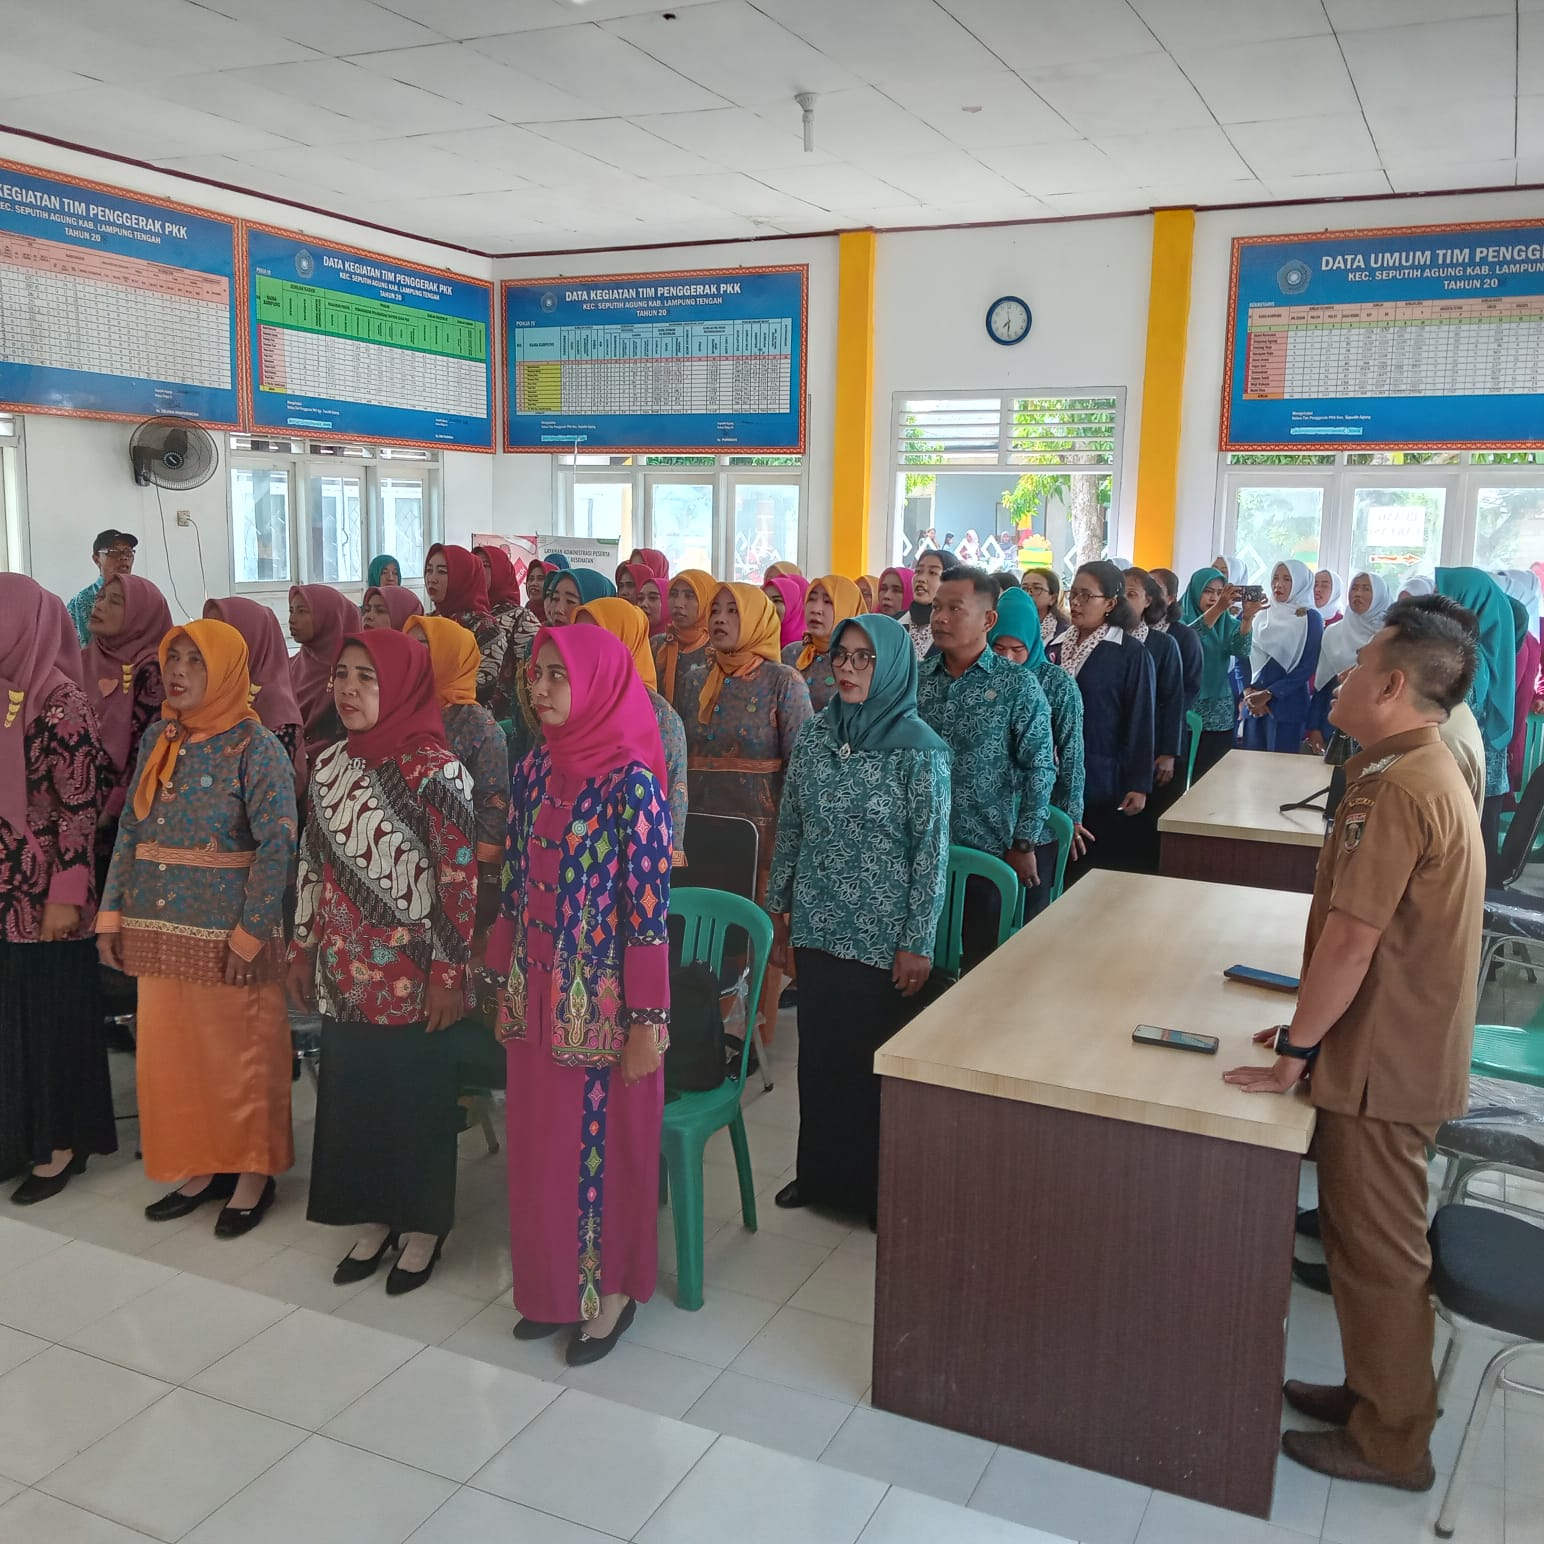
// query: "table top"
[[1241, 797], [1048, 1018]]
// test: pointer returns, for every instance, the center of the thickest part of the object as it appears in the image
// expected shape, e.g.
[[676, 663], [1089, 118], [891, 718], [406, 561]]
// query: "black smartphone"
[[1253, 593], [1269, 979], [1150, 1034]]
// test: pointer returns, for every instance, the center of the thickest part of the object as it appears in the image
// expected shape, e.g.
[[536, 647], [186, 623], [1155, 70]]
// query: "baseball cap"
[[112, 538]]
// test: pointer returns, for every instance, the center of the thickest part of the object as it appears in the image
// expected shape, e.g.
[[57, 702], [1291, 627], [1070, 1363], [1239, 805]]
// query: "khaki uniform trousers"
[[1372, 1220]]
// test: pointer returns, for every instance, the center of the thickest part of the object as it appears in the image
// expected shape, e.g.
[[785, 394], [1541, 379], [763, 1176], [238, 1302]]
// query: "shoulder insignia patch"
[[1356, 824]]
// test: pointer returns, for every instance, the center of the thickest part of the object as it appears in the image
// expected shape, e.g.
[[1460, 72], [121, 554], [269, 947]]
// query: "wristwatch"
[[1023, 846], [1284, 1046]]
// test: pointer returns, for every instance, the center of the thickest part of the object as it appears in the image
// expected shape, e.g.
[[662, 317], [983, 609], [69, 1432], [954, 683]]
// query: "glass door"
[[1400, 530], [335, 534], [261, 499], [766, 527], [603, 509], [1271, 518], [405, 508], [679, 521]]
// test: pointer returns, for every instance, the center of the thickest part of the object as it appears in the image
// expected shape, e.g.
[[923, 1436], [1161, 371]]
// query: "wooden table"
[[1229, 828], [1085, 1245]]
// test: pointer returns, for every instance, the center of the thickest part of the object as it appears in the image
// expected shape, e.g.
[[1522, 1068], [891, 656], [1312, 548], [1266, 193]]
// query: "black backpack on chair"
[[696, 1056]]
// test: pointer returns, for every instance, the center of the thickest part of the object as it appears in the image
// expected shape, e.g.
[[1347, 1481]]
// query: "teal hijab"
[[1495, 681], [886, 720], [592, 586], [378, 566], [1217, 640], [1018, 619]]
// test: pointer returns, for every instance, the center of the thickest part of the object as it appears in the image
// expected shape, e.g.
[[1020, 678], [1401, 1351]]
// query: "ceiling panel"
[[189, 36], [857, 125], [27, 75], [736, 137], [461, 74], [941, 179], [542, 162], [1317, 185], [1180, 24], [244, 101], [356, 93], [334, 28], [1470, 58], [1055, 31], [1530, 54], [918, 41], [414, 162], [836, 187], [1353, 15], [741, 195], [31, 31], [1422, 177], [1303, 147], [1122, 96], [1462, 131], [1283, 78], [621, 144], [1204, 154], [1530, 126], [460, 19], [1039, 169], [974, 111]]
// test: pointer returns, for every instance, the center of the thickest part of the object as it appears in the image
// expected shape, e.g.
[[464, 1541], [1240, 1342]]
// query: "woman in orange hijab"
[[829, 601], [868, 588], [194, 908], [626, 621], [749, 714], [681, 659]]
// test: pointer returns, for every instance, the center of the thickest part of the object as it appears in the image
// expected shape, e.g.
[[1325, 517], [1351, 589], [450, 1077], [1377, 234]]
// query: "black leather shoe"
[[584, 1349], [44, 1187], [174, 1204], [233, 1221], [400, 1281], [351, 1268], [536, 1329], [790, 1196], [1308, 1222], [1312, 1274]]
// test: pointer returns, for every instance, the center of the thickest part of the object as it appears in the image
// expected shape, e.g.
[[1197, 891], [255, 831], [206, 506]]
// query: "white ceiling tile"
[[834, 187], [461, 74], [244, 101], [1367, 184], [975, 111], [1033, 36], [333, 27], [1124, 200], [1180, 192], [738, 194], [616, 142], [33, 31], [1530, 126], [1462, 131], [1045, 169], [27, 75], [1305, 147], [1396, 66], [852, 125], [1202, 154], [1354, 15], [186, 33], [1530, 54], [937, 179], [536, 160], [911, 40], [605, 72], [986, 211], [1181, 24], [1282, 78], [1122, 96], [481, 18], [1422, 177], [1530, 171], [434, 170], [731, 48], [735, 136], [356, 93]]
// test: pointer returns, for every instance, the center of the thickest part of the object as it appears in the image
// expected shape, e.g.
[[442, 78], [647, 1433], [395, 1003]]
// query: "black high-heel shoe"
[[351, 1268], [233, 1221], [585, 1348], [400, 1281], [43, 1187]]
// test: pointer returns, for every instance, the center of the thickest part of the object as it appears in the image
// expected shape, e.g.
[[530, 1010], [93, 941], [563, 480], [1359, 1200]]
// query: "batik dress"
[[587, 888]]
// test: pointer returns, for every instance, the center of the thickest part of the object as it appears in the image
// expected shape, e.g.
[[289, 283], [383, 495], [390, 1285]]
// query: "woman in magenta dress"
[[586, 1012], [457, 586]]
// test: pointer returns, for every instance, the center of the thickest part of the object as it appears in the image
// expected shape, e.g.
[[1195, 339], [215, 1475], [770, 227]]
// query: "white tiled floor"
[[158, 1383]]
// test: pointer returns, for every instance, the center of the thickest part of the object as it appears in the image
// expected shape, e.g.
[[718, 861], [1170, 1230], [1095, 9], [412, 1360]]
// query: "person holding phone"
[[1224, 638], [867, 798], [1284, 654]]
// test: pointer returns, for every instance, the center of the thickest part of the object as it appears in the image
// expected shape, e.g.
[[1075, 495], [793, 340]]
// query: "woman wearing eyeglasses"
[[1044, 588], [857, 887]]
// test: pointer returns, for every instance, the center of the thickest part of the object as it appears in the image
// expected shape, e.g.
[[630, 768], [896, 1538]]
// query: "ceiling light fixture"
[[806, 101]]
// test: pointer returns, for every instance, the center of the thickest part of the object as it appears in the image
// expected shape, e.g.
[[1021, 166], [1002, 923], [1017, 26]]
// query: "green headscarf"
[[886, 720], [1217, 640], [378, 567], [592, 586], [1017, 618], [1519, 620], [1495, 680]]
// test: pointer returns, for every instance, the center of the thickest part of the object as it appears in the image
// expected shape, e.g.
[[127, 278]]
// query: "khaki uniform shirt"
[[1461, 734], [1405, 856]]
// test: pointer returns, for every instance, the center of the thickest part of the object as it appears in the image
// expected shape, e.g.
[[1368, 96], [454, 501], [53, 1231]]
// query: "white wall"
[[1086, 283]]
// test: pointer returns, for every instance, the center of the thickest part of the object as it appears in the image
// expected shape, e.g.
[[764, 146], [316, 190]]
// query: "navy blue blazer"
[[1119, 709], [1169, 692], [1190, 660]]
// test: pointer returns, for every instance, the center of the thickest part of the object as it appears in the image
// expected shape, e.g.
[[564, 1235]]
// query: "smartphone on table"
[[1271, 980], [1178, 1039]]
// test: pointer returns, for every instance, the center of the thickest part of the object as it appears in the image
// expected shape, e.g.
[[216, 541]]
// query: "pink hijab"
[[273, 694], [38, 654], [399, 601], [108, 665], [332, 615], [908, 581], [793, 588], [611, 722]]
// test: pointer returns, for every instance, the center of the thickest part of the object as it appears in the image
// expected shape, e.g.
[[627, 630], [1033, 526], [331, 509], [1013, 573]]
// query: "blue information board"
[[364, 347], [1427, 335], [704, 362], [115, 305]]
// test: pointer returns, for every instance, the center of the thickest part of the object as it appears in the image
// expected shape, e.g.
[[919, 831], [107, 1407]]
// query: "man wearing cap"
[[113, 554]]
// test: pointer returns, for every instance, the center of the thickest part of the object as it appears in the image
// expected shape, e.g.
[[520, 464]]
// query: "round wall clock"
[[1008, 320]]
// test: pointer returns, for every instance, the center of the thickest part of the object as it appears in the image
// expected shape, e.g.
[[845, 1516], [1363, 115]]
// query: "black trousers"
[[1038, 896], [1215, 744], [1490, 833]]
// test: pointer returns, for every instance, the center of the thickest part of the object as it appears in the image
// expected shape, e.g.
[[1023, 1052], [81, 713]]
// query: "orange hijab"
[[761, 636], [453, 654], [224, 706], [782, 570], [622, 619], [871, 593], [847, 598], [704, 586]]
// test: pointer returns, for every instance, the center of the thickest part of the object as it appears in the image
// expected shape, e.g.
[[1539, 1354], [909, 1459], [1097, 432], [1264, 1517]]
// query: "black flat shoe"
[[351, 1268], [401, 1281], [536, 1329], [174, 1204], [43, 1187], [790, 1196], [584, 1349], [1312, 1274], [1308, 1222], [233, 1221]]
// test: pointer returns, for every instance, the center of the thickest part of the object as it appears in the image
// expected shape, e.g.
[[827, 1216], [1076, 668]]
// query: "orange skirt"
[[213, 1066]]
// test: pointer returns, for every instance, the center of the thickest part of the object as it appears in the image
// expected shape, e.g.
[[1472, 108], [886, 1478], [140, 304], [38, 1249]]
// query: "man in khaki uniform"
[[1385, 1022]]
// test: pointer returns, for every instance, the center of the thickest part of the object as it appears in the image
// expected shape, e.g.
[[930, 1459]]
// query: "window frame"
[[15, 550]]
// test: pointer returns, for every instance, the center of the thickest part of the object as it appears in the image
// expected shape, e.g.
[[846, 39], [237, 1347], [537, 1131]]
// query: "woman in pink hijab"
[[319, 616], [268, 669], [787, 593]]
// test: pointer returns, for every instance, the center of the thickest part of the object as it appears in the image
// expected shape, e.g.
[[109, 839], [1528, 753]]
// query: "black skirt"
[[55, 1092], [847, 1011], [386, 1127]]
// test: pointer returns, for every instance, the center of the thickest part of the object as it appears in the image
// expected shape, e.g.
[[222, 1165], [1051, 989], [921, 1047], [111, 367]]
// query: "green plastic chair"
[[1193, 723], [1501, 1051], [691, 1119], [1533, 759], [966, 863], [1061, 824]]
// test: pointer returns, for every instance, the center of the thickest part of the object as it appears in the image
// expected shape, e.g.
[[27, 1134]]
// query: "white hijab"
[[1522, 585], [1418, 584], [1343, 638], [1238, 569], [1280, 632], [1337, 594]]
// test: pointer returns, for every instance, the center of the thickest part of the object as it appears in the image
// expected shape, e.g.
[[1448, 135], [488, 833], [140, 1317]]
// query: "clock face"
[[1008, 320]]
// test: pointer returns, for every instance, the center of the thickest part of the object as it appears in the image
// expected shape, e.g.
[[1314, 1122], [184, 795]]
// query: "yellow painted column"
[[852, 418], [1163, 386]]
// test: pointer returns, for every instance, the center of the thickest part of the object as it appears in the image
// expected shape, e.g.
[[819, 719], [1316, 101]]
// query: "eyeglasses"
[[861, 660], [116, 552], [1083, 597]]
